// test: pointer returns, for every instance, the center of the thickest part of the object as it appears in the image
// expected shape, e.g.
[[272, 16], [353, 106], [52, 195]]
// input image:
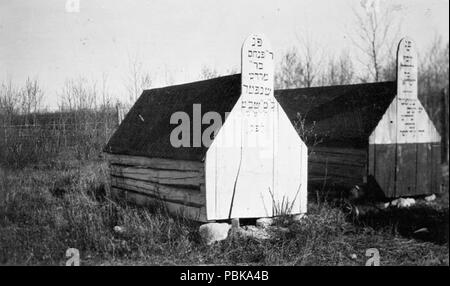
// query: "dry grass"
[[44, 212]]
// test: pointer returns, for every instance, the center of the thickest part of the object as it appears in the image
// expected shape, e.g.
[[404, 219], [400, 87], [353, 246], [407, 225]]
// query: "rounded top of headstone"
[[406, 46], [257, 54], [257, 41], [257, 74], [257, 65], [406, 39]]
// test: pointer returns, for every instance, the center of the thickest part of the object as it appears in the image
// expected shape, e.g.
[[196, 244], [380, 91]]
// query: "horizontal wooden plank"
[[336, 170], [337, 159], [156, 163], [167, 177], [155, 197], [183, 196], [322, 181], [337, 150], [194, 213], [333, 166], [341, 156]]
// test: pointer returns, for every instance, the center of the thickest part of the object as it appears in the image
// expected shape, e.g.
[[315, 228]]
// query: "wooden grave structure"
[[376, 135], [215, 149]]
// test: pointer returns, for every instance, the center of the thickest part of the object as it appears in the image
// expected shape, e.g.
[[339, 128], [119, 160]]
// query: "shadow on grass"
[[425, 221], [421, 222]]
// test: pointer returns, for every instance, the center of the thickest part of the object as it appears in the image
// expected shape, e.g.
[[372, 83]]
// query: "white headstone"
[[267, 164], [408, 106], [258, 103], [257, 76], [406, 120]]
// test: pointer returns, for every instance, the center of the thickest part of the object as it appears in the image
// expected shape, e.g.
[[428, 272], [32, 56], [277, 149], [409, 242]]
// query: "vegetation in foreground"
[[46, 211]]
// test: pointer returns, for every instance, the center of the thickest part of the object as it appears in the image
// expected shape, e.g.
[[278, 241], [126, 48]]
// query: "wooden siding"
[[342, 167], [406, 169], [177, 184]]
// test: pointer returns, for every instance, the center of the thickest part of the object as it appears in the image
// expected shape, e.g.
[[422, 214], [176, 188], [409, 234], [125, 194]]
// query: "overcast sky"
[[42, 39]]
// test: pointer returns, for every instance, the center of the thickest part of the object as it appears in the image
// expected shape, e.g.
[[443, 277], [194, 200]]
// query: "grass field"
[[49, 209]]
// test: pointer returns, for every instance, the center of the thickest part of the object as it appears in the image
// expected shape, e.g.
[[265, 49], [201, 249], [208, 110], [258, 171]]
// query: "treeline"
[[300, 67], [87, 116], [374, 36], [31, 135]]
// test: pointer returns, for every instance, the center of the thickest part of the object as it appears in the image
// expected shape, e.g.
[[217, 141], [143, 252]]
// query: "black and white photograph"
[[234, 134]]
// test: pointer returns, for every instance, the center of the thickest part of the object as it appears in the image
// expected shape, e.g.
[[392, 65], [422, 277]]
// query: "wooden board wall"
[[406, 169], [341, 167], [177, 184]]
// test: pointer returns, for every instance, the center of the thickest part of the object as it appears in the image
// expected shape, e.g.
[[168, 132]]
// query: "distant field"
[[45, 211]]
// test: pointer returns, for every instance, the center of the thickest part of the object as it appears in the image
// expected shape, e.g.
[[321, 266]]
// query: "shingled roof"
[[342, 115], [145, 131]]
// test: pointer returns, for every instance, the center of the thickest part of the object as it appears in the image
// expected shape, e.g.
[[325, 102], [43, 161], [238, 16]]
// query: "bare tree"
[[233, 70], [168, 76], [346, 69], [311, 56], [434, 77], [30, 97], [389, 70], [434, 66], [78, 94], [106, 96], [338, 71], [300, 66], [138, 79], [208, 73], [290, 72], [9, 100], [375, 33], [330, 74]]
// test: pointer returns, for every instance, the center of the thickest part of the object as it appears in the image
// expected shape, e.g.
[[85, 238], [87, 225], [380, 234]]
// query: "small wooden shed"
[[375, 133], [216, 149]]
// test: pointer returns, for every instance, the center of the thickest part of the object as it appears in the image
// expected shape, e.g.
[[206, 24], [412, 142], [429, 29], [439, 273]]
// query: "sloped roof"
[[341, 115], [145, 131]]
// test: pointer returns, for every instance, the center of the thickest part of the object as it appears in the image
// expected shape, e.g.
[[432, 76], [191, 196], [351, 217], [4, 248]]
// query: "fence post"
[[5, 149], [444, 124], [3, 186], [118, 113], [105, 123]]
